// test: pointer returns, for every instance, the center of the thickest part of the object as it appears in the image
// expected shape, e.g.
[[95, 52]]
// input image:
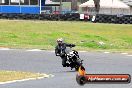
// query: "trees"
[[97, 5], [74, 6]]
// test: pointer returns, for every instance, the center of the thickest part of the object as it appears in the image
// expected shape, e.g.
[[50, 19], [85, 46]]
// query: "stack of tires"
[[70, 17], [126, 19], [100, 18], [52, 17]]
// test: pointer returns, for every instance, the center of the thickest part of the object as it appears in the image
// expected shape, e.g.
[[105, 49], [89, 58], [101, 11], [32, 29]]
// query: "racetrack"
[[47, 62]]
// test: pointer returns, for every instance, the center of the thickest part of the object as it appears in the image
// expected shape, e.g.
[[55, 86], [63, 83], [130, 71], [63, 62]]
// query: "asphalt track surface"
[[47, 62]]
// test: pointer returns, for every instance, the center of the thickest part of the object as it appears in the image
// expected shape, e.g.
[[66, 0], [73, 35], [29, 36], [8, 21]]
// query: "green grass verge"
[[16, 75], [87, 36]]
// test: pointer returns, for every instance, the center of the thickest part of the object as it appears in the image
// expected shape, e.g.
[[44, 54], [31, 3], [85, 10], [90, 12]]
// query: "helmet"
[[60, 40]]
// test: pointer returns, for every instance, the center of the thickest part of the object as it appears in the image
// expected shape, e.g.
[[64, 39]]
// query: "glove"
[[73, 45], [62, 54]]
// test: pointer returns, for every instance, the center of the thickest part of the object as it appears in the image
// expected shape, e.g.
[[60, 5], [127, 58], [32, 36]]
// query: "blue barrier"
[[30, 9], [10, 9], [19, 9]]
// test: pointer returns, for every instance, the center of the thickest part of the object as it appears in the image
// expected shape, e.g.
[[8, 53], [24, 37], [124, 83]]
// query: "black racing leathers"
[[60, 51]]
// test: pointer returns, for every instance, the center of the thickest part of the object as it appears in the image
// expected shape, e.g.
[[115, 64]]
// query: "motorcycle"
[[73, 58]]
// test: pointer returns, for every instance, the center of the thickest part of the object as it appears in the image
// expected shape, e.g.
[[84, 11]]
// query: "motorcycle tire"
[[81, 80]]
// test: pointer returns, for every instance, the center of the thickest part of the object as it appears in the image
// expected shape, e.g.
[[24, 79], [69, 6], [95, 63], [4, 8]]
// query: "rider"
[[60, 51]]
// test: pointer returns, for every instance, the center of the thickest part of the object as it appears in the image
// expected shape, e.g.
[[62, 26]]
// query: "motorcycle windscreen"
[[68, 50]]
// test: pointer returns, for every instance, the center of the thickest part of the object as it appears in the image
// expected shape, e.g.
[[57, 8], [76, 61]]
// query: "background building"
[[111, 7], [129, 3]]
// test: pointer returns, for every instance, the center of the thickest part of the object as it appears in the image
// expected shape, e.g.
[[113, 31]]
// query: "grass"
[[14, 75], [87, 36]]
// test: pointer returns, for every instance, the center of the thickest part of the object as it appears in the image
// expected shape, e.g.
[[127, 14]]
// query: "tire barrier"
[[100, 18], [52, 17], [126, 19]]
